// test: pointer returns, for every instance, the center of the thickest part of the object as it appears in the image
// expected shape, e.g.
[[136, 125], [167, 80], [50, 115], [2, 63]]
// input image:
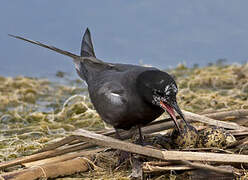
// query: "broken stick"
[[164, 155], [223, 115], [49, 170], [183, 157], [164, 124], [64, 157], [43, 155], [204, 119]]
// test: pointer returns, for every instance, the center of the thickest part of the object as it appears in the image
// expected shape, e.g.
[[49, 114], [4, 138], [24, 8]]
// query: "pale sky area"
[[162, 33]]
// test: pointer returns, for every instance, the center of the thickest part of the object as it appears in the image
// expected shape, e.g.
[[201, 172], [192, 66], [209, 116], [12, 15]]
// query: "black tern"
[[124, 95]]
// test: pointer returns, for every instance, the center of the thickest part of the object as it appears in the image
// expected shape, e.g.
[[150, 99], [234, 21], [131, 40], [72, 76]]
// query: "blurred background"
[[160, 33]]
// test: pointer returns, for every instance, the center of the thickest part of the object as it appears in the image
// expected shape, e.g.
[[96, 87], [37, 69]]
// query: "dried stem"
[[64, 157], [49, 170], [203, 119], [155, 153]]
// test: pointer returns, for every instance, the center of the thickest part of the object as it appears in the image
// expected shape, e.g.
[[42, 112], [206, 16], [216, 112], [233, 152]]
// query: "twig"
[[64, 157], [203, 119], [148, 129], [71, 140], [164, 155], [158, 163], [239, 132], [208, 167], [242, 143], [208, 149], [223, 115], [57, 144], [182, 157], [150, 168], [49, 170], [156, 166], [43, 155], [157, 126]]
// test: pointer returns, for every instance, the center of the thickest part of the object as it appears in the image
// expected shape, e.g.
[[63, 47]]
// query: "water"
[[161, 33]]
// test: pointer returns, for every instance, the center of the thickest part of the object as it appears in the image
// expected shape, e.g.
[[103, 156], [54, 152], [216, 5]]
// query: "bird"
[[124, 95]]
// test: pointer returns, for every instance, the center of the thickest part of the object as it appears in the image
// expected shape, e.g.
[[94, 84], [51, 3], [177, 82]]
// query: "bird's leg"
[[141, 139], [117, 134]]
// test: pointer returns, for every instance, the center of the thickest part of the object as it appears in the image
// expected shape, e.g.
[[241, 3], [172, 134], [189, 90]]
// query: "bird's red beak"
[[170, 111]]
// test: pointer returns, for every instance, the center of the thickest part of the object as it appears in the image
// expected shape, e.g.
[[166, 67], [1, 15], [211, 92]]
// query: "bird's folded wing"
[[114, 92]]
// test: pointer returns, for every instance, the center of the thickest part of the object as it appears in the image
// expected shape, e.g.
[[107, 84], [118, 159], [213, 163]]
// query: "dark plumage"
[[124, 95]]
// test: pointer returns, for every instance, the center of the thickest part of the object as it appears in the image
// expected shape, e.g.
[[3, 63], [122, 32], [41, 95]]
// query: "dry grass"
[[34, 112]]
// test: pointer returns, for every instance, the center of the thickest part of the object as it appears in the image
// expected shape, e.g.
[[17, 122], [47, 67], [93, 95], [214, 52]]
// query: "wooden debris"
[[74, 139], [242, 143], [150, 167], [64, 157], [182, 157], [43, 155], [49, 170], [239, 132], [203, 119], [160, 125], [159, 163], [208, 167], [155, 153], [207, 175], [225, 114], [215, 149], [55, 154], [57, 144], [186, 165]]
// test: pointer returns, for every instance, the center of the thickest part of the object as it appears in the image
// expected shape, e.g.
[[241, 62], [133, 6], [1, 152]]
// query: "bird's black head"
[[159, 88]]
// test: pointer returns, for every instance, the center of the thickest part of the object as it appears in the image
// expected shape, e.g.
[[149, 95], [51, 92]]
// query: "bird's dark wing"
[[110, 100], [113, 93]]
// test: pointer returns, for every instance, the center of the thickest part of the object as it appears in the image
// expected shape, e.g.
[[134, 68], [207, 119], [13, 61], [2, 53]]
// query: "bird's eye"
[[158, 92], [170, 89]]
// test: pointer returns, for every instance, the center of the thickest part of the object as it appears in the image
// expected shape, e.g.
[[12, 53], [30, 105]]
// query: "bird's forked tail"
[[74, 56]]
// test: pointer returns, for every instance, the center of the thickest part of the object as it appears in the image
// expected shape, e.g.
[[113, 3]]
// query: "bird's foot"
[[142, 141]]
